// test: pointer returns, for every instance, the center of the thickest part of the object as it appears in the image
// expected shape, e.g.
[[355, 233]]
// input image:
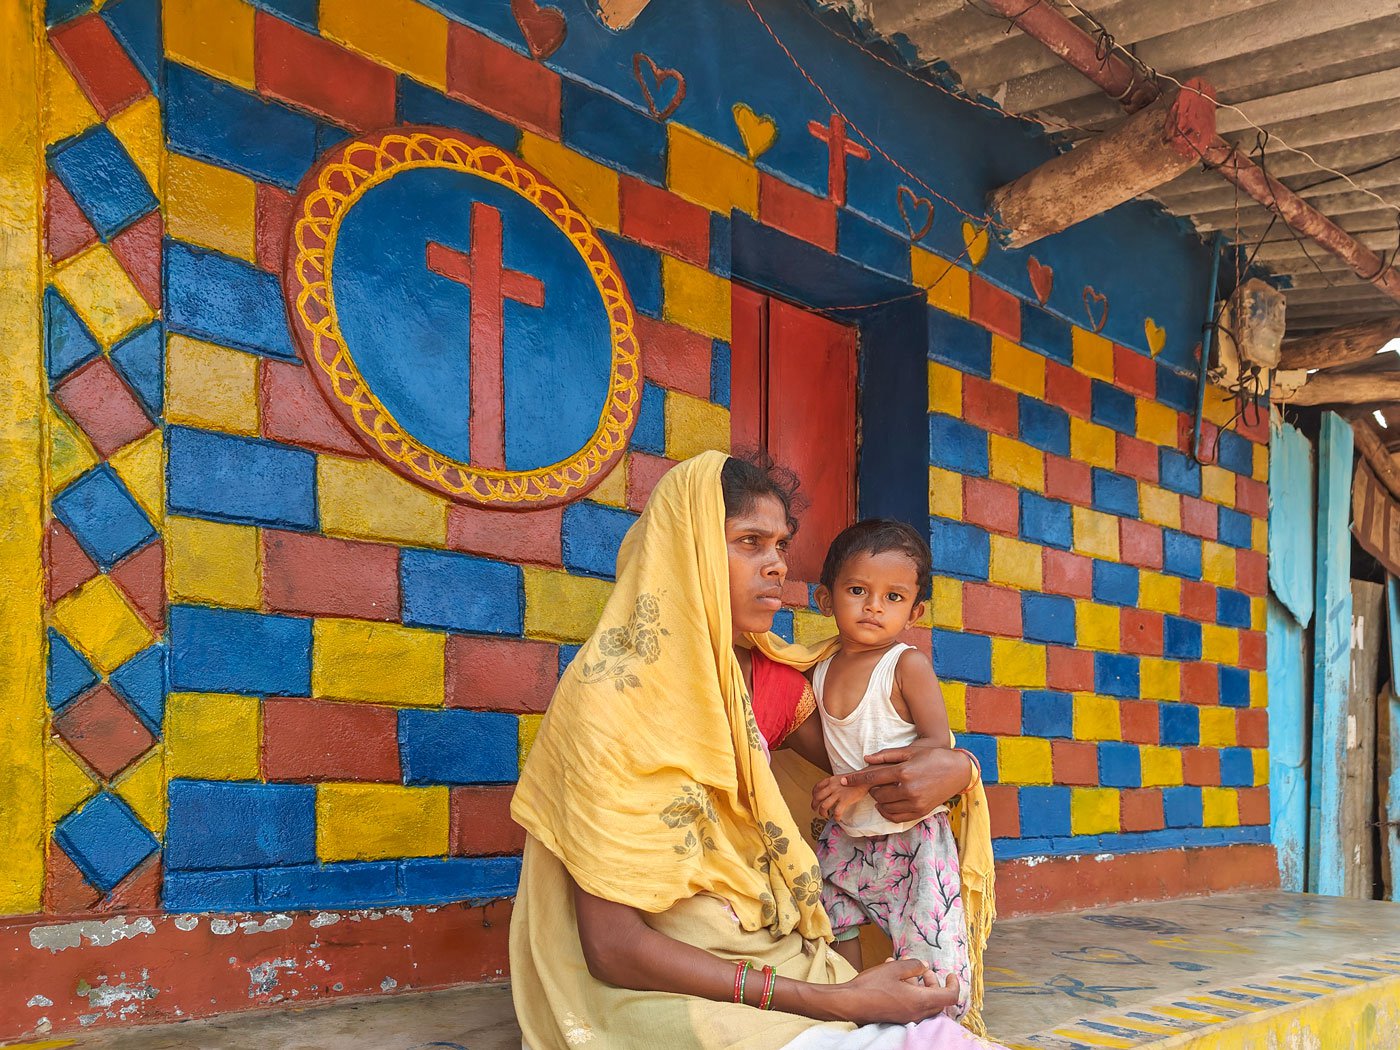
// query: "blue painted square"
[[782, 624], [592, 535], [1120, 765], [1115, 584], [459, 747], [1236, 529], [1181, 638], [67, 341], [1232, 608], [1181, 554], [1234, 686], [1236, 767], [1235, 453], [461, 592], [566, 657], [719, 372], [962, 657], [1046, 714], [56, 11], [1048, 618], [97, 170], [955, 445], [227, 478], [329, 135], [872, 246], [68, 674], [1046, 521], [433, 881], [226, 824], [422, 105], [1041, 330], [1176, 390], [298, 12], [226, 301], [191, 891], [352, 885], [233, 651], [1044, 426], [1115, 494], [984, 749], [136, 25], [1179, 725], [140, 358], [1116, 674], [959, 343], [1182, 807], [622, 138], [649, 435], [960, 550], [721, 244], [102, 516], [1044, 811], [216, 122], [141, 683], [641, 269], [105, 840], [1179, 472], [1113, 408]]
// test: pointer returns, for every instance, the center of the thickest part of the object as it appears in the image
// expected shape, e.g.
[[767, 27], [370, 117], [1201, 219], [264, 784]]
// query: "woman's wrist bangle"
[[741, 972], [770, 982]]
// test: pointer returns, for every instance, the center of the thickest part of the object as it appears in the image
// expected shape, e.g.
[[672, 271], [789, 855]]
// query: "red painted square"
[[1251, 497], [1252, 727], [315, 74], [1254, 650], [272, 226], [1200, 683], [500, 674], [1075, 762], [1004, 809], [1069, 389], [1210, 438], [994, 309], [141, 576], [1140, 809], [1134, 372], [532, 536], [643, 472], [66, 229], [66, 567], [992, 505], [139, 891], [675, 357], [502, 81], [1254, 805], [103, 731], [1251, 572], [1063, 572], [1141, 632], [796, 593], [990, 407], [97, 399], [993, 709], [1069, 669], [1198, 601], [1136, 458], [1069, 480], [1199, 518], [316, 740], [921, 638], [1200, 766], [295, 411], [138, 249], [991, 610], [66, 890], [481, 824], [1140, 543], [99, 64], [315, 575], [1254, 424], [661, 220], [1138, 720], [796, 212]]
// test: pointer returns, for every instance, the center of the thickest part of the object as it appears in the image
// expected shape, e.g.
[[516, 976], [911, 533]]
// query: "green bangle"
[[743, 979]]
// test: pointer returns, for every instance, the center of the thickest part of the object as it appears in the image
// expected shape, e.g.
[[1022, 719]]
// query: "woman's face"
[[757, 540]]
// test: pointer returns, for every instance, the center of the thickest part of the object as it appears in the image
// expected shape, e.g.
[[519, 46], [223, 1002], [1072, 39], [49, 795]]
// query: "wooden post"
[[1358, 801], [1148, 149], [1340, 346], [620, 14], [1351, 388]]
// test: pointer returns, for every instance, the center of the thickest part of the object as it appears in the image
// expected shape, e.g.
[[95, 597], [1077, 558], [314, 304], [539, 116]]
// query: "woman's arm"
[[908, 782], [807, 741], [622, 950]]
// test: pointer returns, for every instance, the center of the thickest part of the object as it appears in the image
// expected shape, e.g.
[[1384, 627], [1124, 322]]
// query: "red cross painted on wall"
[[839, 147], [483, 271]]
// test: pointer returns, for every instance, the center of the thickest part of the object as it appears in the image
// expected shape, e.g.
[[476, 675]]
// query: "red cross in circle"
[[839, 147]]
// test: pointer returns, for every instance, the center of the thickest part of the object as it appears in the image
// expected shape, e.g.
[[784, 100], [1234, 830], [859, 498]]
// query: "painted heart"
[[1107, 956], [916, 211], [758, 132], [544, 28], [1042, 279], [1156, 336], [975, 241], [657, 84], [1096, 306]]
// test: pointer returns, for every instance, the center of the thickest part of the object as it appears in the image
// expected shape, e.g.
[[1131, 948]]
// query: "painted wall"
[[284, 676]]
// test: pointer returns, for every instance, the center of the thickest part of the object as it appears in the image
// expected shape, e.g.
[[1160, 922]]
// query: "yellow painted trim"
[[21, 463]]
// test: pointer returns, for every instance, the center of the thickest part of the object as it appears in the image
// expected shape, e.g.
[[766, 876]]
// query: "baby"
[[876, 693]]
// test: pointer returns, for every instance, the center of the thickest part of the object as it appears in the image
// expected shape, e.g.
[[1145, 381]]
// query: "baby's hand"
[[831, 798]]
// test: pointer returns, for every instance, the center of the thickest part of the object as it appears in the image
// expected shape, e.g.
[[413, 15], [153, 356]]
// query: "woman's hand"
[[907, 783], [894, 993]]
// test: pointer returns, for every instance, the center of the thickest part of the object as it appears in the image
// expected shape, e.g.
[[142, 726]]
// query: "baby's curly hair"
[[876, 536]]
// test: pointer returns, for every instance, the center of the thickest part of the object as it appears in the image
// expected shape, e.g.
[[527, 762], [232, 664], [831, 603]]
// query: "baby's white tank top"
[[873, 726]]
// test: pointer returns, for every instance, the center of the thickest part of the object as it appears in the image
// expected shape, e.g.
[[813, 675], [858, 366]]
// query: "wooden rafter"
[[1352, 388], [1340, 346]]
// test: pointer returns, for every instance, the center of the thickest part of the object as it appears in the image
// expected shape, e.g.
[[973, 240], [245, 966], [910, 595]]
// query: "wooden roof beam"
[[1349, 388], [1340, 346], [1374, 452]]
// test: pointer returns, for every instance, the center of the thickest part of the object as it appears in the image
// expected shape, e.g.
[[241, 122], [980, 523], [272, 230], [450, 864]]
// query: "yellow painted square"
[[377, 663], [1016, 463], [945, 493], [1018, 368], [810, 627], [1160, 679], [1096, 717], [380, 821], [694, 425], [612, 490], [588, 184], [1217, 563], [944, 390], [955, 702], [564, 608], [1093, 354], [138, 129], [1161, 766], [1261, 463], [1098, 626], [102, 294], [98, 620], [1158, 592], [67, 110], [703, 171], [1218, 485], [215, 36], [1258, 689], [212, 736], [1259, 756], [1092, 444], [1159, 506], [1258, 614], [1023, 760], [143, 788], [1018, 663], [1217, 727], [525, 736], [949, 286], [68, 451], [1220, 807], [1259, 534], [211, 563], [210, 206], [1095, 533], [361, 499], [210, 386], [1220, 645], [1016, 563], [1157, 423], [695, 298], [67, 782], [141, 466], [945, 606], [1217, 405], [1093, 811], [406, 36]]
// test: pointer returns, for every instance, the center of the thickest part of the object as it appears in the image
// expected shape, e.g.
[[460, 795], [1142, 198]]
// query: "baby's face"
[[875, 597]]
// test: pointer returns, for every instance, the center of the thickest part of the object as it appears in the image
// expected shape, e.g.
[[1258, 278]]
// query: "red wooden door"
[[793, 395]]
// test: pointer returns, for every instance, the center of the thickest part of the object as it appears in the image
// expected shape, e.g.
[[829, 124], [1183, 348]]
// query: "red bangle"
[[770, 981], [741, 976]]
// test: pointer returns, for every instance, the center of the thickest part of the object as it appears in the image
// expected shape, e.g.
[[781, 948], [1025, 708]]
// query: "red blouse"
[[782, 699]]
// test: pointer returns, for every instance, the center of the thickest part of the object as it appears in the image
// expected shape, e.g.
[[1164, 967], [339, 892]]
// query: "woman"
[[661, 854]]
